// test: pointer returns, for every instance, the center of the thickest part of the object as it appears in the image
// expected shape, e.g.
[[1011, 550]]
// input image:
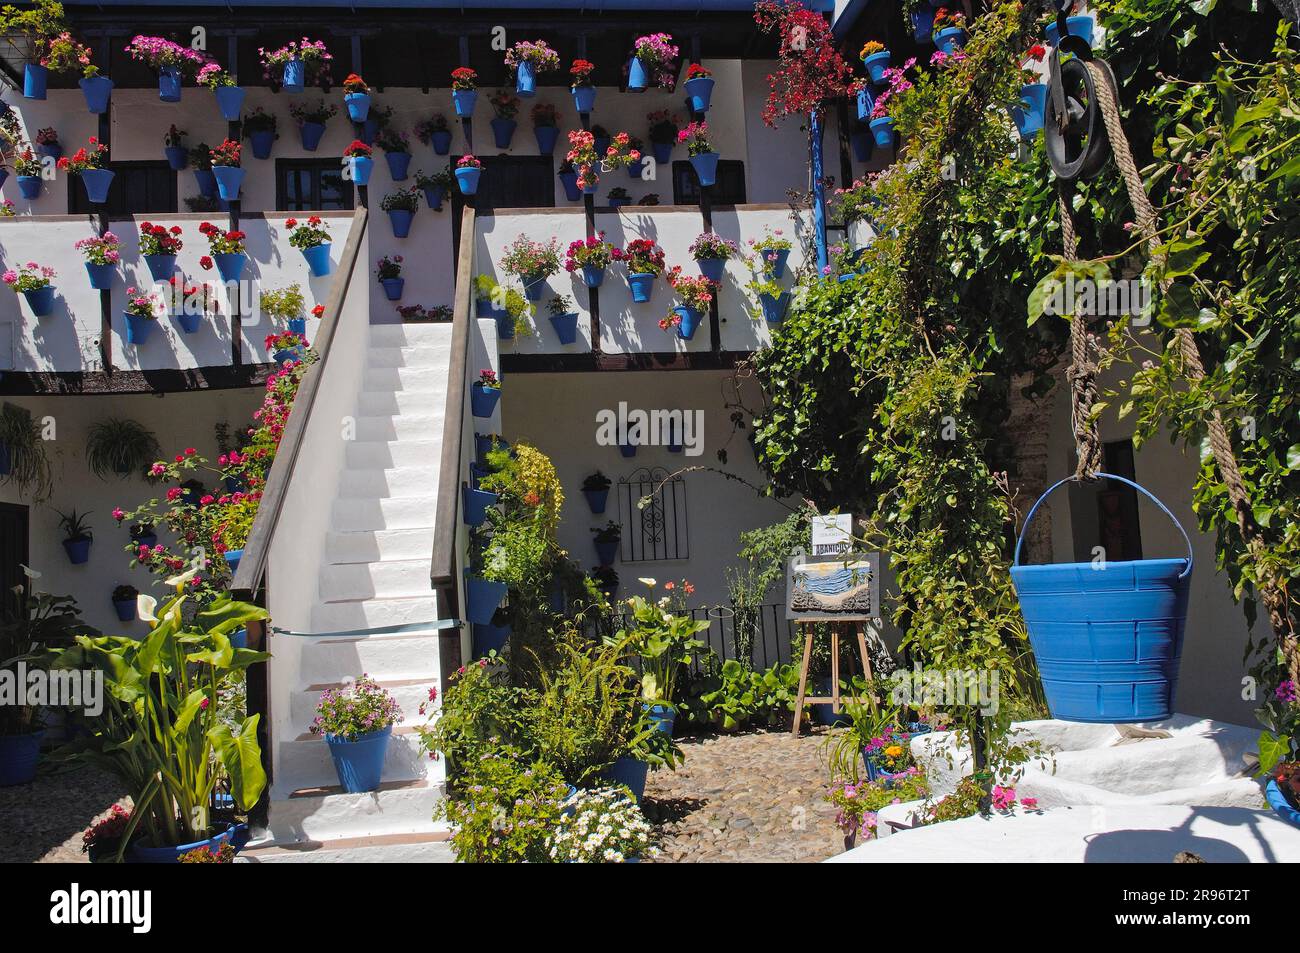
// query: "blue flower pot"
[[592, 276], [97, 182], [635, 169], [169, 84], [101, 276], [638, 77], [950, 39], [362, 166], [503, 130], [534, 287], [774, 308], [18, 757], [78, 550], [145, 539], [706, 167], [262, 141], [484, 443], [358, 106], [662, 717], [863, 145], [627, 449], [546, 139], [590, 189], [29, 186], [207, 183], [698, 93], [876, 65], [230, 179], [712, 268], [607, 552], [584, 98], [690, 320], [369, 130], [285, 355], [642, 285], [1108, 639], [400, 219], [922, 23], [41, 301], [161, 267], [566, 327], [482, 598], [883, 130], [311, 134], [434, 198], [490, 638], [1278, 802], [776, 261], [463, 101], [294, 78], [662, 151], [474, 504], [318, 259], [97, 90], [467, 179], [35, 79], [360, 763], [483, 399], [393, 287], [52, 149], [823, 713], [526, 80], [125, 609], [597, 499], [570, 182], [629, 772], [1081, 26], [298, 326], [138, 329], [190, 323], [505, 326], [441, 141], [141, 853], [399, 164], [239, 639], [1032, 111], [177, 157], [230, 265], [230, 100]]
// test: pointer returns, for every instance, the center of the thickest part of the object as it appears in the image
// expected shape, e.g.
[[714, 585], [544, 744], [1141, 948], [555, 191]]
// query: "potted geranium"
[[124, 597], [654, 62], [260, 130], [504, 109], [297, 63], [204, 177], [568, 177], [563, 318], [876, 58], [607, 538], [102, 255], [88, 162], [436, 187], [102, 840], [401, 206], [601, 826], [774, 249], [32, 281], [526, 59], [397, 151], [592, 255], [312, 238], [589, 158], [703, 157], [663, 134], [140, 315], [595, 488], [169, 59], [284, 346], [699, 87], [311, 118], [226, 250], [696, 293], [64, 54], [189, 304], [29, 169], [226, 168], [77, 536], [174, 148], [773, 300], [949, 30], [230, 97], [356, 96], [1031, 111], [485, 393], [711, 251], [583, 86], [357, 723], [532, 263], [388, 270], [435, 131], [47, 143], [464, 90], [468, 170], [360, 162], [39, 24], [644, 261], [160, 245], [546, 127]]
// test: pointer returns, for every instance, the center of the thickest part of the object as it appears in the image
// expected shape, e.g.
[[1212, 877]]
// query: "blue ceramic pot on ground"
[[1081, 26], [161, 267], [463, 100], [230, 100], [774, 307], [950, 39], [362, 166], [690, 320], [642, 285], [97, 182], [141, 853], [101, 276], [294, 78], [503, 130], [29, 186], [311, 134], [400, 219], [40, 300], [318, 259], [125, 609], [712, 268], [483, 399], [638, 77], [546, 139], [358, 106], [597, 499], [18, 757], [78, 550], [263, 141], [566, 327], [876, 65], [35, 80], [98, 90], [607, 552], [360, 763], [169, 84], [699, 92], [706, 167], [467, 179], [631, 773], [206, 180], [230, 265], [482, 598], [592, 276], [490, 638], [138, 329], [230, 178], [441, 142], [570, 182], [883, 130], [526, 80], [399, 164], [662, 151], [393, 287], [584, 98], [177, 157], [663, 717], [475, 503], [1030, 114]]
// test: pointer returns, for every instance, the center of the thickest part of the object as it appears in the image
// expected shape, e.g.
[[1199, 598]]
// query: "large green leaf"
[[224, 617], [241, 756], [1272, 750]]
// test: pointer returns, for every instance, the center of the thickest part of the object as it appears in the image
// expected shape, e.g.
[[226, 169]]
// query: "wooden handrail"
[[252, 567], [442, 570]]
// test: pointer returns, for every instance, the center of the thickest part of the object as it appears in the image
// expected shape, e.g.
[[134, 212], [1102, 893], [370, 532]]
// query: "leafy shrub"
[[507, 809]]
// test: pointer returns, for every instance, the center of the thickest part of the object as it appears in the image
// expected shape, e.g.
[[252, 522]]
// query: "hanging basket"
[[1108, 636]]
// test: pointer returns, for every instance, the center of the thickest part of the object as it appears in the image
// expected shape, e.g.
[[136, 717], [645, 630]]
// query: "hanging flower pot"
[[359, 763], [399, 164], [434, 198], [298, 326], [189, 322], [230, 100], [35, 79], [483, 399], [593, 276], [642, 285], [230, 179], [370, 130], [18, 757], [138, 328], [597, 499], [862, 144], [1080, 26], [441, 140], [546, 137], [505, 326], [706, 167], [584, 99], [101, 276], [638, 77], [467, 179], [311, 134], [40, 300], [97, 90], [482, 598], [125, 609], [883, 129], [534, 287], [503, 130], [1108, 637], [358, 106], [662, 151], [262, 142], [606, 552], [318, 259], [876, 64], [29, 186], [591, 187], [950, 39], [526, 79], [361, 169], [206, 180], [78, 549], [566, 326], [570, 182], [294, 78], [393, 287], [489, 638], [712, 268], [1029, 116], [177, 157], [169, 84], [230, 265], [400, 219], [699, 93], [463, 101], [688, 321], [866, 102], [97, 182], [475, 503], [627, 449], [774, 307], [922, 23], [161, 267], [486, 442], [776, 259]]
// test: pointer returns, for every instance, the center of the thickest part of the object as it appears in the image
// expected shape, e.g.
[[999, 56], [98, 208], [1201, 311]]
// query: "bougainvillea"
[[811, 70]]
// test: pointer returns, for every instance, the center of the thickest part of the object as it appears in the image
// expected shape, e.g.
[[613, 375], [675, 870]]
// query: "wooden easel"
[[834, 698]]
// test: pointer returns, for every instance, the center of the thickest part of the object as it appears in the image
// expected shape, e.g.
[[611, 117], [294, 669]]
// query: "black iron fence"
[[760, 633]]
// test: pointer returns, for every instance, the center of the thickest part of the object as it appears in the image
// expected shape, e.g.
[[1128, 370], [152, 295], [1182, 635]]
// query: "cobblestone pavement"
[[752, 797], [43, 821]]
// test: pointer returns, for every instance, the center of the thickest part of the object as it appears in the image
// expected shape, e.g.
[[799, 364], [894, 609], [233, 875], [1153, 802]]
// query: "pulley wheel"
[[1076, 140]]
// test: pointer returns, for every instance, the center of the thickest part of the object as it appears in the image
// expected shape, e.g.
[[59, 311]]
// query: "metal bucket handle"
[[1110, 476]]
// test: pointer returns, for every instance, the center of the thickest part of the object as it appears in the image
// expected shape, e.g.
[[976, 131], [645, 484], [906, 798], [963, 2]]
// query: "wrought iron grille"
[[659, 529]]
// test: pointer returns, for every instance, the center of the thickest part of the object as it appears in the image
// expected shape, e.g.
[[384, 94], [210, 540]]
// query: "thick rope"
[[1083, 371]]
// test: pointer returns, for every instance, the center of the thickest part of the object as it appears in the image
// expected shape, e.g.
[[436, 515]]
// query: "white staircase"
[[374, 572]]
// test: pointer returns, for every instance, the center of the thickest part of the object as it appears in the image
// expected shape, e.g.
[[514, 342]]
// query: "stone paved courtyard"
[[43, 821], [752, 797]]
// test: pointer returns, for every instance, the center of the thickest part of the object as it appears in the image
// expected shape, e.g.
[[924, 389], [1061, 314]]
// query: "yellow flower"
[[893, 751]]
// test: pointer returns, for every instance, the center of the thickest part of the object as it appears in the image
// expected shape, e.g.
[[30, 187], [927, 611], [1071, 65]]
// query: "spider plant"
[[23, 460], [119, 447]]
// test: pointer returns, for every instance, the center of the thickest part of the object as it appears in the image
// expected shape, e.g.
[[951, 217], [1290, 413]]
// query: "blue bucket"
[[360, 763], [1108, 637]]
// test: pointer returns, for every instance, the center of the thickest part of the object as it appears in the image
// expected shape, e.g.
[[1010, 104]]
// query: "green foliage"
[[733, 696], [119, 447], [29, 465], [480, 712], [508, 810], [31, 625], [663, 643], [283, 303]]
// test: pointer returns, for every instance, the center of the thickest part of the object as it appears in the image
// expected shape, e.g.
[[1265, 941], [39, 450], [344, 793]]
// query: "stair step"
[[369, 613], [391, 403], [371, 545], [421, 426], [376, 483], [405, 378], [421, 848], [407, 357], [410, 335], [403, 453], [385, 579], [405, 512], [308, 763], [379, 656]]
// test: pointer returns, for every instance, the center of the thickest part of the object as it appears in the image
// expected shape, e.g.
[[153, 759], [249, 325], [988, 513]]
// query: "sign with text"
[[832, 534]]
